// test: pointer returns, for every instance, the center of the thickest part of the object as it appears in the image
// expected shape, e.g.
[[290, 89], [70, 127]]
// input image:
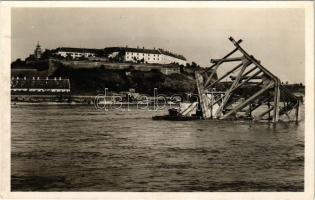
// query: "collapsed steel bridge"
[[245, 90]]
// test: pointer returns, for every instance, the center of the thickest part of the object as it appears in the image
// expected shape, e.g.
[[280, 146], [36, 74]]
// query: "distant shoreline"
[[83, 103]]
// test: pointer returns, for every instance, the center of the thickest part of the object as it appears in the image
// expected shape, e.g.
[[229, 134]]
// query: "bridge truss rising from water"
[[244, 90]]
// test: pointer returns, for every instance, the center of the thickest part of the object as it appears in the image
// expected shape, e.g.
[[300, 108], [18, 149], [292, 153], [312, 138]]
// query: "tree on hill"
[[17, 62], [47, 54], [30, 58], [194, 65]]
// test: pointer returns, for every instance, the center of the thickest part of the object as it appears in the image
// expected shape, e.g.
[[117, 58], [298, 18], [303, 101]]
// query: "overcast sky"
[[274, 36]]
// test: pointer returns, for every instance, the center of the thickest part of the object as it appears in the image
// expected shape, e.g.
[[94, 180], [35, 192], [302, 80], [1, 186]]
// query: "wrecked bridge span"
[[244, 90]]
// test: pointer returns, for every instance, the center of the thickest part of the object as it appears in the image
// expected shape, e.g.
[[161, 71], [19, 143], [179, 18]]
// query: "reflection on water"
[[77, 148]]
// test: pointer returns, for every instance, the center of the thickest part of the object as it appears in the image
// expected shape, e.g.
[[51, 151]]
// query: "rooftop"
[[79, 50]]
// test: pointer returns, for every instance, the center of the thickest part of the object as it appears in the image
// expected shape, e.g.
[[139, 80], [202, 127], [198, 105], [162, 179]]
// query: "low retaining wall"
[[106, 65]]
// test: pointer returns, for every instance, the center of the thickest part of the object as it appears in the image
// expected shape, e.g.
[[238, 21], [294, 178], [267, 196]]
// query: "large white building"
[[76, 52], [158, 56]]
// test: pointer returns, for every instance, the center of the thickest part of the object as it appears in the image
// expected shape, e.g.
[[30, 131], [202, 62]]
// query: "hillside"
[[90, 78], [93, 81]]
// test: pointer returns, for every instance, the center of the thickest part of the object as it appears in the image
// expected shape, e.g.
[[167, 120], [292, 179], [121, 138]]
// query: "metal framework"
[[245, 91]]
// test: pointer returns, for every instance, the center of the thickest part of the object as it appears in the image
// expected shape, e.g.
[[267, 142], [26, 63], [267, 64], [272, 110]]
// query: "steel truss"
[[247, 91]]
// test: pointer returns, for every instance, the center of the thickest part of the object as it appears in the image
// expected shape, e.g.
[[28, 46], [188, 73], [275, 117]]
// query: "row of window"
[[168, 58], [40, 90], [127, 57], [143, 54], [130, 57], [157, 59], [75, 54]]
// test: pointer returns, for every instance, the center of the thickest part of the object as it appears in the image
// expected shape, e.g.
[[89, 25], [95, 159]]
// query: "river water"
[[79, 148]]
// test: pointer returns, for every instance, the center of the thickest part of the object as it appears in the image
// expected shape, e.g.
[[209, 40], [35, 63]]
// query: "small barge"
[[175, 114], [176, 118]]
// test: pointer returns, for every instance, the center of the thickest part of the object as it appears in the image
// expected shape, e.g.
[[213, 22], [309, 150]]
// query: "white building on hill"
[[76, 52], [158, 56]]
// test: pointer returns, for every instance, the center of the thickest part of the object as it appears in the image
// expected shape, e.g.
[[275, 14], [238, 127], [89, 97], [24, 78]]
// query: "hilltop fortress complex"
[[152, 56], [122, 54], [114, 58]]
